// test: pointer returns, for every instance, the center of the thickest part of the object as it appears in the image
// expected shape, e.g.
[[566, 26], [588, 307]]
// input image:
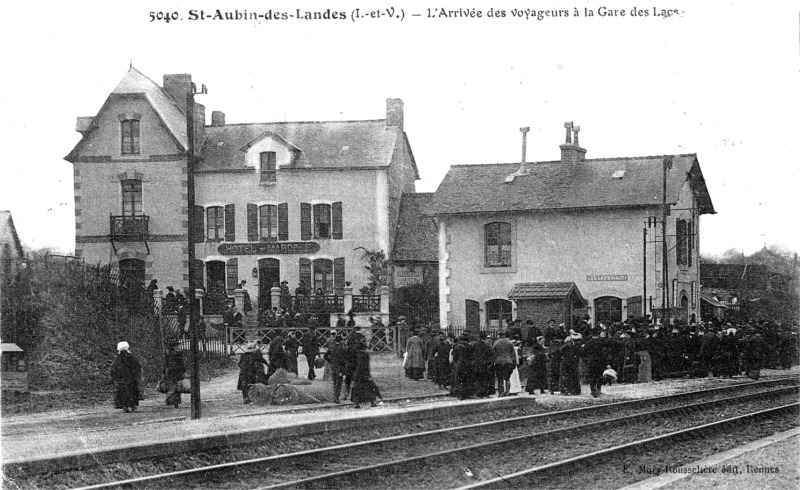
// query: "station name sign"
[[608, 277], [268, 248]]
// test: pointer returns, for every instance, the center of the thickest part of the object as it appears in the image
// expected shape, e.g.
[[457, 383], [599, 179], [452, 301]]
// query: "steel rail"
[[320, 481], [503, 423], [509, 479]]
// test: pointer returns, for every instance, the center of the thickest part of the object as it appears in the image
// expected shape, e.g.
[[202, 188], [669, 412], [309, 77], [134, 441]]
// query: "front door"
[[269, 276]]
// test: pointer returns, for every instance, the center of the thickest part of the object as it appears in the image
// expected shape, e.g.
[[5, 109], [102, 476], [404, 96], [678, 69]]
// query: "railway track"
[[444, 453]]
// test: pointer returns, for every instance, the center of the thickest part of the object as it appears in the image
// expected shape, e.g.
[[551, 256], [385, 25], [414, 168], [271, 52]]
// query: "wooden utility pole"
[[664, 248], [190, 160]]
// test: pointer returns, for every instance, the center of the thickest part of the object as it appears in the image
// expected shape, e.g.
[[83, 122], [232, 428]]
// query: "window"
[[322, 221], [268, 166], [323, 275], [130, 137], [681, 242], [215, 223], [607, 309], [131, 197], [268, 222], [498, 244], [690, 242], [498, 310]]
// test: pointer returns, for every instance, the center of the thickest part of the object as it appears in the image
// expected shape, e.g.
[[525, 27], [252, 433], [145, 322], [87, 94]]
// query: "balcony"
[[130, 228]]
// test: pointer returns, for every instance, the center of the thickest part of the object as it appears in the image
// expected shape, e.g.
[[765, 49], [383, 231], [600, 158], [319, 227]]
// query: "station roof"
[[593, 183]]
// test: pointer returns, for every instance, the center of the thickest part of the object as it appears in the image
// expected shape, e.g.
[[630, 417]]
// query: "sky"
[[717, 79]]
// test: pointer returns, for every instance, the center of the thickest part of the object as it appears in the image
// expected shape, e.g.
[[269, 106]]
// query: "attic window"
[[618, 174]]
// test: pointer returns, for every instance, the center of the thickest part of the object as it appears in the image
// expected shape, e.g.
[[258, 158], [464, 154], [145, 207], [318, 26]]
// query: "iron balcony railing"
[[130, 227]]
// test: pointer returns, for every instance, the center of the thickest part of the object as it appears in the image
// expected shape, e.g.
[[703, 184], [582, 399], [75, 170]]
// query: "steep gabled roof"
[[322, 144], [134, 83], [417, 235], [7, 228], [592, 184]]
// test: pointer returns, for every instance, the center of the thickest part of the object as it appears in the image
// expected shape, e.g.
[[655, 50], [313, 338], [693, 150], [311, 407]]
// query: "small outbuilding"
[[542, 301]]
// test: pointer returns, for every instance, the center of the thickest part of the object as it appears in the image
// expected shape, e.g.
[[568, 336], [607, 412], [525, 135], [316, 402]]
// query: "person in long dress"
[[415, 362], [569, 377], [537, 372], [125, 372], [251, 370], [364, 388], [442, 357]]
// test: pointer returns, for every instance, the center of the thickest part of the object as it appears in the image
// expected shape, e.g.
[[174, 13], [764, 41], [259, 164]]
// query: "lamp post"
[[190, 160]]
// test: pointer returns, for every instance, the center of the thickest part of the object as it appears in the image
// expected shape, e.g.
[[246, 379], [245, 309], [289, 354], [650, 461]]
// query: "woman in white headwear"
[[516, 385], [125, 372]]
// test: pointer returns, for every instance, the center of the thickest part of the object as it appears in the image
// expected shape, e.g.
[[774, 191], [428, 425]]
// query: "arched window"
[[498, 310], [497, 240], [607, 309]]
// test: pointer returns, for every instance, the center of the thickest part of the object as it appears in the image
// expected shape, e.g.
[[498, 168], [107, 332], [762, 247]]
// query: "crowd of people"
[[549, 359], [553, 359]]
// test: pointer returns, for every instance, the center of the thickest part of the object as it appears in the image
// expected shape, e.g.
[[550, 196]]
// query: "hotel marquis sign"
[[268, 248]]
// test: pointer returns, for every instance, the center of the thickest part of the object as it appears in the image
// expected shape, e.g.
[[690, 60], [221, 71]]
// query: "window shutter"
[[336, 210], [199, 269], [230, 223], [252, 223], [338, 274], [232, 274], [198, 226], [690, 240], [283, 221], [305, 221], [305, 273]]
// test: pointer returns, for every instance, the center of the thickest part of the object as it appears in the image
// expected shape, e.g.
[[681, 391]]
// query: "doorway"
[[269, 276]]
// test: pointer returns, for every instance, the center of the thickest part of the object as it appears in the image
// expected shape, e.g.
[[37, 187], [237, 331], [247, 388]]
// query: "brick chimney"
[[394, 113], [571, 152], [177, 86], [218, 118]]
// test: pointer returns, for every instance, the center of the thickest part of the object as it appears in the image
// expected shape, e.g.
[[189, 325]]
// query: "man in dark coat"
[[276, 354], [595, 358], [311, 349], [174, 369], [482, 360], [463, 381], [291, 346], [336, 356], [755, 356], [125, 372], [251, 369]]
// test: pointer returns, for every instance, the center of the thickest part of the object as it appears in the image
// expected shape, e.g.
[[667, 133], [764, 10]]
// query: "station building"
[[285, 201], [565, 238]]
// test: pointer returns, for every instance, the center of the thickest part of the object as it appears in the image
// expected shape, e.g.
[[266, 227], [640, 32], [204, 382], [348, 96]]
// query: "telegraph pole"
[[664, 249], [190, 160]]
